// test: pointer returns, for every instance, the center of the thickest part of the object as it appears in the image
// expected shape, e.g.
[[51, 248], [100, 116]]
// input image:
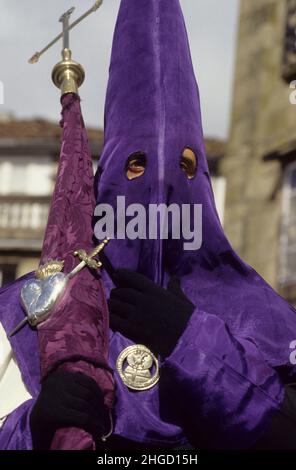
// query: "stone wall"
[[263, 120]]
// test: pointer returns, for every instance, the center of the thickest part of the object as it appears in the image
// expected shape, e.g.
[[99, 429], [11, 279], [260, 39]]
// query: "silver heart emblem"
[[40, 296]]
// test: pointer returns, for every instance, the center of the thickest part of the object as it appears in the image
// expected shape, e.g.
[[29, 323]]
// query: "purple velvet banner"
[[76, 336]]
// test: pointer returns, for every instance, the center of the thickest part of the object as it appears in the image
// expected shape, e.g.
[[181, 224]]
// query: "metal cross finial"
[[66, 28], [65, 20]]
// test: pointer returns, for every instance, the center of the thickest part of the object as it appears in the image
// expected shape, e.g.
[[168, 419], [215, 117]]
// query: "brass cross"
[[66, 28]]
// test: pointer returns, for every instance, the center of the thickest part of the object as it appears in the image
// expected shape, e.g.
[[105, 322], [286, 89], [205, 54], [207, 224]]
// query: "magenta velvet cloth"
[[75, 337]]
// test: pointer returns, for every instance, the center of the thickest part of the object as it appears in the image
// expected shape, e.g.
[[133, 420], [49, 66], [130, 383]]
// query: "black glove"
[[67, 399], [147, 313]]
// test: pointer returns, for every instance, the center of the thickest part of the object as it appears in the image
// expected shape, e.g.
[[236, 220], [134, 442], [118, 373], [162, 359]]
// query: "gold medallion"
[[138, 367]]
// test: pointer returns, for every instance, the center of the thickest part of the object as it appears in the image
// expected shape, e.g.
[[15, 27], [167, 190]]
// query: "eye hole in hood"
[[135, 165], [188, 163]]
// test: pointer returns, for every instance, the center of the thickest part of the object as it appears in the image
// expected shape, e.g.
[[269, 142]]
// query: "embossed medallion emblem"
[[138, 367]]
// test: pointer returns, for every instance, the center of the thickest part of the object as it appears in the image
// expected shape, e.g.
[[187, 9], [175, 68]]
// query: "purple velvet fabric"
[[221, 378], [153, 106], [75, 337], [214, 382], [230, 394], [15, 432]]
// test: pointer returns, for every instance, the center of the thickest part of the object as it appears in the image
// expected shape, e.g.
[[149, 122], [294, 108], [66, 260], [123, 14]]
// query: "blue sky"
[[27, 25]]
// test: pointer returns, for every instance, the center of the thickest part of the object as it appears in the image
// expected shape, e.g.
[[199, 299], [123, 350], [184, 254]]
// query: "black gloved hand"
[[67, 399], [147, 313]]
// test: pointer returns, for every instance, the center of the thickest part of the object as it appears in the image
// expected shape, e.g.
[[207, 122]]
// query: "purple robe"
[[220, 383], [224, 371], [222, 379]]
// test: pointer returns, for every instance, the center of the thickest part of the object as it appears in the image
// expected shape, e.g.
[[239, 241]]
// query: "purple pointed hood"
[[153, 107]]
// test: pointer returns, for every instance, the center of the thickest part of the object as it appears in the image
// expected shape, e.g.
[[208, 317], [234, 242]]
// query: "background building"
[[260, 162], [29, 152]]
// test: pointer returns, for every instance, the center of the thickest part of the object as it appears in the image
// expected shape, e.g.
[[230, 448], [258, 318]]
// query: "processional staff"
[[68, 76]]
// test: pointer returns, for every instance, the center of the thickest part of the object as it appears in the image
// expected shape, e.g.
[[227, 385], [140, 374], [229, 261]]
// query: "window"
[[288, 231], [7, 273], [289, 56], [26, 177]]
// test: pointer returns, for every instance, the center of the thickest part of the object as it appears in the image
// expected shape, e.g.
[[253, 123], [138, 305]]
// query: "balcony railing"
[[24, 214]]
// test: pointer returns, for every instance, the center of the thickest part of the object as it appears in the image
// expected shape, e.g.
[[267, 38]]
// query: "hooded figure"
[[222, 372], [218, 335]]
